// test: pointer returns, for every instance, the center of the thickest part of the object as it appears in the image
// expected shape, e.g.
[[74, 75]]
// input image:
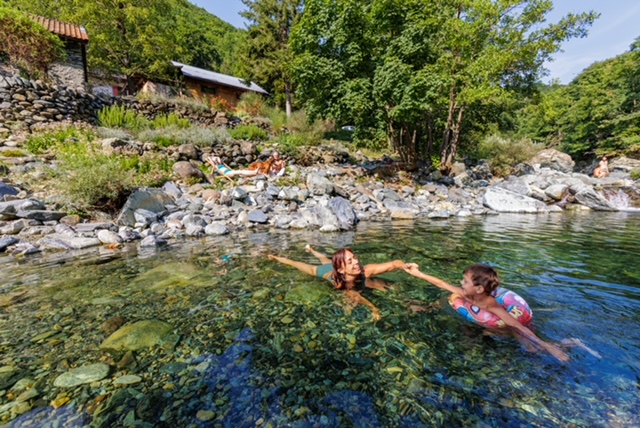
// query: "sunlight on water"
[[256, 343]]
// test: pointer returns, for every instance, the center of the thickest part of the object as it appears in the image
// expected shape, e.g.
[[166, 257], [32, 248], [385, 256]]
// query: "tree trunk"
[[288, 97], [452, 138]]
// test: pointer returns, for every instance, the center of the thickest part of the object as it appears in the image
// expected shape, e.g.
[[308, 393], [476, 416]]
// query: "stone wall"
[[69, 72], [25, 104]]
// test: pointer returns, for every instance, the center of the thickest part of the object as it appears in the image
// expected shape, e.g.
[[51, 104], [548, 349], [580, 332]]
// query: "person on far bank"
[[602, 170], [346, 273]]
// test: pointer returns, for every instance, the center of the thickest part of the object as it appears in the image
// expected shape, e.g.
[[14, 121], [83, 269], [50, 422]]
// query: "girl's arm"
[[498, 310], [380, 268], [414, 271]]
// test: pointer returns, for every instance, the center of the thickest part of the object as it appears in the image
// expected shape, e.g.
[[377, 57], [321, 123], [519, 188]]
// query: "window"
[[208, 90]]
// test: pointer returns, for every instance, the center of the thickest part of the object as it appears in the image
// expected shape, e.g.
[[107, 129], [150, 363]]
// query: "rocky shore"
[[330, 195]]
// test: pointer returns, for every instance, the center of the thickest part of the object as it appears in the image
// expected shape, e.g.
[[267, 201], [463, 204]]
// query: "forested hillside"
[[433, 80], [598, 113]]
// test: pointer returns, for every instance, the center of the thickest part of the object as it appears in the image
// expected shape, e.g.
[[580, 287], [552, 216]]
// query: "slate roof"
[[213, 77], [64, 29]]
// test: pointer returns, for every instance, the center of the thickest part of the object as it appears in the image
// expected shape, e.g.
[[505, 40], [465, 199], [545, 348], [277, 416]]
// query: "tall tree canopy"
[[268, 53], [420, 66], [597, 113]]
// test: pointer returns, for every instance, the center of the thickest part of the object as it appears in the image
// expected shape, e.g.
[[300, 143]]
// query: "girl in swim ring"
[[478, 284]]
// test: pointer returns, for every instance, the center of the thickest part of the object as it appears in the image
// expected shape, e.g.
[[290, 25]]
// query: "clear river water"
[[255, 343]]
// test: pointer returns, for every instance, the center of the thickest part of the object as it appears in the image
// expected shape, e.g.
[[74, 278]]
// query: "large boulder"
[[319, 185], [186, 170], [506, 201], [344, 211], [150, 199], [551, 158], [594, 200]]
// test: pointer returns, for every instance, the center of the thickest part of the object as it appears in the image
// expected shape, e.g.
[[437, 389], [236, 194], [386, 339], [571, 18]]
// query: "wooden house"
[[201, 83]]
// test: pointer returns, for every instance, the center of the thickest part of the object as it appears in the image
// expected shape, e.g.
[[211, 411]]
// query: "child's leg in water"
[[530, 346], [577, 343]]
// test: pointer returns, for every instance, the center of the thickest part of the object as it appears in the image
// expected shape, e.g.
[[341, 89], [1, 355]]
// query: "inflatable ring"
[[510, 301]]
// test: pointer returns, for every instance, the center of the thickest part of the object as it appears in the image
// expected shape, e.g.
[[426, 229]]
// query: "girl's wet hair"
[[484, 276], [337, 261]]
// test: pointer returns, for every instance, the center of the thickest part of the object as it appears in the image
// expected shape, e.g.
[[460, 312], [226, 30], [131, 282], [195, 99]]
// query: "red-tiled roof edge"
[[64, 29]]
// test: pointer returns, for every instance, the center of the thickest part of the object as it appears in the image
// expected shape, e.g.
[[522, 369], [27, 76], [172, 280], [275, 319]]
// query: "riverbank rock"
[[149, 199], [554, 159], [506, 201]]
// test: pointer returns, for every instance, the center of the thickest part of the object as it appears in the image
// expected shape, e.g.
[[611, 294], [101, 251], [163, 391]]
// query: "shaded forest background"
[[433, 80]]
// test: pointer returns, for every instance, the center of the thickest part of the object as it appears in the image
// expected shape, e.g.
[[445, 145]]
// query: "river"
[[256, 343]]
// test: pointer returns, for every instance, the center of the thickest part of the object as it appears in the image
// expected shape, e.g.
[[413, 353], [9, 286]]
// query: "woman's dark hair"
[[484, 276], [337, 261]]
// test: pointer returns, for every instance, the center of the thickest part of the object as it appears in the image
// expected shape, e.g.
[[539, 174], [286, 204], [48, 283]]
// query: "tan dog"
[[262, 167]]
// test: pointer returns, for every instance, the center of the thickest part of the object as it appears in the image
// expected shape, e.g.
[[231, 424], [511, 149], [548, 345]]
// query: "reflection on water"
[[255, 343]]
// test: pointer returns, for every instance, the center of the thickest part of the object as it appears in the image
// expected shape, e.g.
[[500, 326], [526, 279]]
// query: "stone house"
[[72, 70], [201, 83]]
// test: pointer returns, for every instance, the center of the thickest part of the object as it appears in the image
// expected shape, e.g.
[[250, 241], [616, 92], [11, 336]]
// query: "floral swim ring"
[[515, 305]]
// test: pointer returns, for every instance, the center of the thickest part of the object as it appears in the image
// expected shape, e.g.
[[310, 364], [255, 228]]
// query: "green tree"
[[27, 44], [268, 53], [425, 64], [597, 113]]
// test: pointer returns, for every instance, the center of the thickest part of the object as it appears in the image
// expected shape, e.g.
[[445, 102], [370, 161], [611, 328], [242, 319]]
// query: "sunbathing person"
[[277, 166], [602, 170], [346, 273], [222, 169], [273, 167]]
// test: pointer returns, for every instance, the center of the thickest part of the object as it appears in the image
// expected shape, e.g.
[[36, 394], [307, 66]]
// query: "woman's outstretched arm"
[[323, 258], [380, 268], [414, 271], [304, 267]]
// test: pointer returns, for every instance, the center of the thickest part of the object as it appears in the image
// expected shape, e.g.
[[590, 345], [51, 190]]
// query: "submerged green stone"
[[139, 335], [310, 293]]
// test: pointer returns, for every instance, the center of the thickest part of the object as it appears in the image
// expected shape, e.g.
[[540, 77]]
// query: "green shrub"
[[313, 132], [277, 118], [27, 44], [118, 116], [94, 180], [290, 144], [91, 179], [503, 153], [12, 153], [165, 121], [252, 104], [340, 135], [635, 173], [103, 132], [248, 132], [41, 142]]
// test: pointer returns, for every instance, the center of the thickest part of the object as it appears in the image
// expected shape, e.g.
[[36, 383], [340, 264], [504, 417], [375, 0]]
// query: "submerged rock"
[[139, 335], [82, 375], [309, 293]]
